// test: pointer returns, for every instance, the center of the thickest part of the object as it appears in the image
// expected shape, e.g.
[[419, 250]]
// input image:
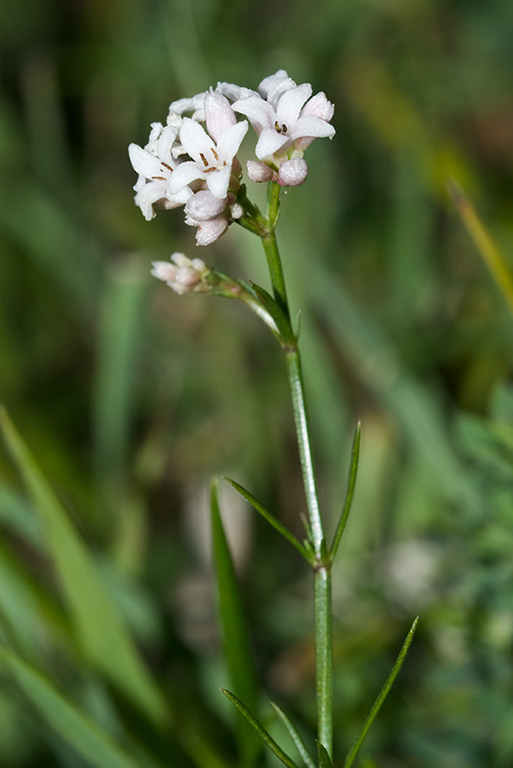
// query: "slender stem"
[[324, 655], [305, 452], [276, 270], [322, 567]]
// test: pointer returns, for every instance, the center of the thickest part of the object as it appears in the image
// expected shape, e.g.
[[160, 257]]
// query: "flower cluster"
[[192, 159]]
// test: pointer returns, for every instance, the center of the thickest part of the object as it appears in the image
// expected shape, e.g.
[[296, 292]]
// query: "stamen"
[[205, 161]]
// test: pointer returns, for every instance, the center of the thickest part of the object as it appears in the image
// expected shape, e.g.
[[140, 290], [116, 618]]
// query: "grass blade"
[[492, 256], [237, 649], [101, 632], [353, 470], [264, 735], [298, 741], [94, 744], [381, 697], [271, 519]]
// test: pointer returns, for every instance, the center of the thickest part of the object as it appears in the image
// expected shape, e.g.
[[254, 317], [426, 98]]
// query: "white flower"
[[155, 165], [285, 119], [182, 274], [212, 153], [195, 104]]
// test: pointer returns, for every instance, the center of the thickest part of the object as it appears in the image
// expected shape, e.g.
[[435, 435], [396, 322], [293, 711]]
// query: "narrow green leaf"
[[353, 470], [381, 697], [93, 743], [101, 632], [298, 741], [237, 648], [276, 312], [324, 758], [271, 519], [264, 735]]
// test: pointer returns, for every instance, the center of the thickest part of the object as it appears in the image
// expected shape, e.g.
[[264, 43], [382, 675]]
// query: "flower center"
[[280, 128], [209, 168]]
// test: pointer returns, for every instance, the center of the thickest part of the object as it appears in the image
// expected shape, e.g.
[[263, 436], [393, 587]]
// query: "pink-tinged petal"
[[319, 106], [219, 181], [194, 139], [312, 126], [188, 105], [210, 231], [143, 162], [183, 175], [257, 110], [291, 104], [229, 143], [234, 92], [270, 141], [219, 115], [273, 86]]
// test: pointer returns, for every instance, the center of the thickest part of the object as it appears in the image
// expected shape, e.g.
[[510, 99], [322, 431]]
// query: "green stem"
[[324, 655], [305, 452], [322, 567]]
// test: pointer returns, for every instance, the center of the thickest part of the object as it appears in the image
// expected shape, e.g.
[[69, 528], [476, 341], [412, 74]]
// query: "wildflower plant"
[[191, 161]]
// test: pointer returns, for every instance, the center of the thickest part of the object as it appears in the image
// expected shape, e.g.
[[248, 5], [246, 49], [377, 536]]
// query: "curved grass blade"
[[264, 735], [86, 737], [102, 633], [381, 697], [353, 470], [271, 519], [298, 741], [493, 257], [324, 758], [237, 648]]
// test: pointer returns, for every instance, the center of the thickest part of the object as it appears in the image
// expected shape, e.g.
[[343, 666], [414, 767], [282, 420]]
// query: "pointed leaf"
[[264, 735], [324, 758], [237, 649], [298, 741], [271, 519], [381, 697], [276, 312], [101, 632], [95, 745], [355, 453]]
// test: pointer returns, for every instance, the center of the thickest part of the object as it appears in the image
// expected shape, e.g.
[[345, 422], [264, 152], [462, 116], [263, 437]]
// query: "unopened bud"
[[293, 172], [182, 274], [258, 171]]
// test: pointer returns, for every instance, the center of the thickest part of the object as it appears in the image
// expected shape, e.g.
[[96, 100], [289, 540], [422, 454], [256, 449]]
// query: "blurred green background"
[[131, 397]]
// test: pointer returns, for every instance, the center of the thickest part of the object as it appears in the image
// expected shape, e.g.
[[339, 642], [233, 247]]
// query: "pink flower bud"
[[293, 172], [182, 274], [258, 171], [203, 206], [210, 231]]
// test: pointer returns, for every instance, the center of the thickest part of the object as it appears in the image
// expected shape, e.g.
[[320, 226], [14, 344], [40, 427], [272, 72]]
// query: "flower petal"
[[143, 162], [219, 115], [195, 140], [270, 141], [229, 143], [312, 126], [219, 181], [291, 103], [260, 112], [183, 174]]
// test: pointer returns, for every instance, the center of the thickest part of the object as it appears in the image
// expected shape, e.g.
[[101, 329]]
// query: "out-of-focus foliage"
[[130, 397]]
